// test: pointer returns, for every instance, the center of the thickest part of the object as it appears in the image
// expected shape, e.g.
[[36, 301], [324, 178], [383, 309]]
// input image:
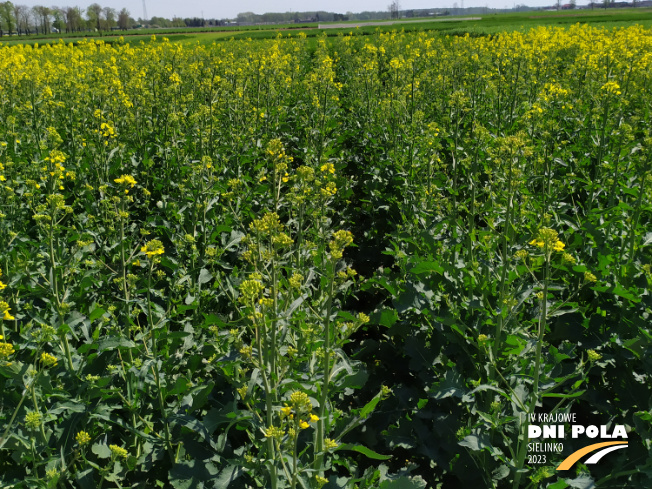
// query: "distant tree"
[[7, 16], [394, 9], [21, 14], [109, 17], [123, 19], [573, 4], [73, 18], [58, 16], [94, 15], [159, 21], [194, 22], [42, 16], [246, 17]]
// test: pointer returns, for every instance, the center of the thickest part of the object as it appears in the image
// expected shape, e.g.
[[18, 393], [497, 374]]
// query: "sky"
[[220, 9]]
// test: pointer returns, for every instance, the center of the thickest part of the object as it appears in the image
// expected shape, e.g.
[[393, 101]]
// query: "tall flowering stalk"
[[341, 239], [153, 250], [125, 184], [546, 240]]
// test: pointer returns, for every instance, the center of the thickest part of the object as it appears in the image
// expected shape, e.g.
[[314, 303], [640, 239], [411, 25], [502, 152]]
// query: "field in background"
[[326, 261], [455, 25]]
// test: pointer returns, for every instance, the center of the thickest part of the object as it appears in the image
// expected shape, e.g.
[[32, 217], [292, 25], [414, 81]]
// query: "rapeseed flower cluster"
[[33, 420], [6, 349], [107, 130], [280, 160], [612, 88], [83, 438], [296, 280], [126, 180], [328, 168], [118, 452], [304, 185], [341, 239], [329, 190], [299, 410], [48, 360], [250, 290], [330, 444], [321, 481], [5, 311], [589, 277], [268, 239], [274, 432], [547, 239], [153, 248], [269, 224], [593, 355]]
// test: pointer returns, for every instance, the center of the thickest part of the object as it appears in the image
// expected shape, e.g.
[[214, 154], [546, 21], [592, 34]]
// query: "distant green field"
[[487, 25]]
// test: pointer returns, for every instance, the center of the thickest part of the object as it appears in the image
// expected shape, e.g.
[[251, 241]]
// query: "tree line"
[[23, 20]]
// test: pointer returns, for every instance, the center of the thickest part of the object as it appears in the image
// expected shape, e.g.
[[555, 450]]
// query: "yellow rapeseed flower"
[[118, 452], [4, 310], [330, 444], [548, 239], [341, 240], [250, 290], [126, 180], [6, 349], [568, 258], [48, 360], [296, 280], [589, 277], [153, 248], [593, 355], [328, 168], [286, 411], [33, 420], [83, 438], [301, 401], [273, 432]]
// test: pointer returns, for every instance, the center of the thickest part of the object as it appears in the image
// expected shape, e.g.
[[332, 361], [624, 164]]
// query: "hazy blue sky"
[[222, 9]]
